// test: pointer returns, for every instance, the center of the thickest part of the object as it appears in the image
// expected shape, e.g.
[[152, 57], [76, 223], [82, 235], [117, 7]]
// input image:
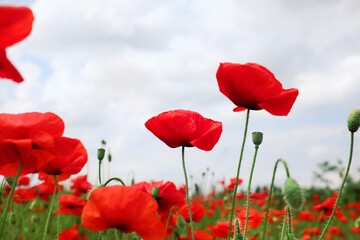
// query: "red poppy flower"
[[15, 25], [71, 234], [231, 186], [23, 181], [306, 216], [198, 211], [327, 207], [254, 218], [135, 210], [25, 194], [168, 196], [27, 138], [221, 229], [312, 231], [185, 128], [81, 185], [252, 86], [198, 234], [71, 157], [71, 204], [45, 189]]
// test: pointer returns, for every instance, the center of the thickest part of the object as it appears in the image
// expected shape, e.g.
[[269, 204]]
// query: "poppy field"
[[36, 159]]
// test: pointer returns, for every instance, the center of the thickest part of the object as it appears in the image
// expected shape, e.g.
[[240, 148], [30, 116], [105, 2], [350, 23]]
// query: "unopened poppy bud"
[[12, 218], [109, 157], [94, 188], [354, 120], [257, 138], [134, 236], [34, 218], [357, 222], [293, 194], [155, 192], [100, 154]]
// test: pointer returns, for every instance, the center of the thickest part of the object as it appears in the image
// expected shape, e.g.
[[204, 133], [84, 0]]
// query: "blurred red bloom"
[[254, 218], [185, 128], [221, 229], [81, 185], [198, 211], [135, 210], [71, 234], [71, 157], [23, 181], [312, 231], [306, 216], [71, 204], [252, 86], [28, 138], [25, 194], [45, 189], [327, 207], [231, 186], [198, 234], [15, 26], [168, 196]]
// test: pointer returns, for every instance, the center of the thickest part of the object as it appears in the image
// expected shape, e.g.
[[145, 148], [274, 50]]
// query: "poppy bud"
[[354, 120], [34, 218], [293, 194], [155, 192], [109, 157], [257, 138], [10, 180], [12, 218], [100, 154], [96, 187], [357, 222], [134, 236]]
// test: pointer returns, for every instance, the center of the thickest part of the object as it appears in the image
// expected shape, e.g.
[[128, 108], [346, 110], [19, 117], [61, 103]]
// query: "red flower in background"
[[221, 229], [185, 128], [327, 207], [168, 196], [27, 138], [71, 157], [23, 181], [45, 189], [198, 211], [71, 204], [71, 234], [252, 86], [254, 218], [15, 26], [81, 185], [135, 210], [198, 234], [231, 186]]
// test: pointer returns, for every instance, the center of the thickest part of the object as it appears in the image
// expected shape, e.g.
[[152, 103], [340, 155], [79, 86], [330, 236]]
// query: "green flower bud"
[[134, 236], [109, 157], [12, 218], [100, 154], [10, 180], [155, 192], [94, 188], [354, 120], [293, 194], [257, 138], [34, 219], [357, 222]]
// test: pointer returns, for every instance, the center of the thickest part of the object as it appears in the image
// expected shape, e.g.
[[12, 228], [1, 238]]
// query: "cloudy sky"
[[105, 67]]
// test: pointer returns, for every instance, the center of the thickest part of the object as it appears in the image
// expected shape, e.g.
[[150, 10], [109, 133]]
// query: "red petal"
[[281, 104], [7, 69]]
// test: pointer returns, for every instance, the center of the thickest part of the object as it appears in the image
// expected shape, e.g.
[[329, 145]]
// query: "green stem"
[[100, 172], [284, 224], [8, 201], [290, 226], [114, 178], [22, 215], [58, 218], [170, 214], [238, 173], [50, 210], [187, 192], [248, 192], [270, 192], [341, 188]]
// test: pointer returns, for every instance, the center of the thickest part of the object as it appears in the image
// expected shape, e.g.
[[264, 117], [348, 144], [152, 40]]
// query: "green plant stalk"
[[8, 201], [114, 178], [270, 192], [290, 225], [22, 216], [284, 225], [238, 173], [187, 193], [58, 218], [248, 192], [50, 210], [341, 188], [168, 220], [99, 171]]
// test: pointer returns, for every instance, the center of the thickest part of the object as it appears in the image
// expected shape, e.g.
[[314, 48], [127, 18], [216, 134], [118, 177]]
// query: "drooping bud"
[[100, 154], [354, 120], [293, 194], [10, 180], [12, 218], [257, 138], [155, 192]]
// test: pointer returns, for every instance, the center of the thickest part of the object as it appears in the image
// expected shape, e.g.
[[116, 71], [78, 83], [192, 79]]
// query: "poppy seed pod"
[[293, 194], [100, 154], [257, 138], [354, 120], [155, 192]]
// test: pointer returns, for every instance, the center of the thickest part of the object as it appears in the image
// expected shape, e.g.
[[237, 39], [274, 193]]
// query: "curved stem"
[[238, 172], [248, 192], [170, 214], [341, 188], [114, 178], [8, 201], [187, 192], [270, 192], [50, 210]]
